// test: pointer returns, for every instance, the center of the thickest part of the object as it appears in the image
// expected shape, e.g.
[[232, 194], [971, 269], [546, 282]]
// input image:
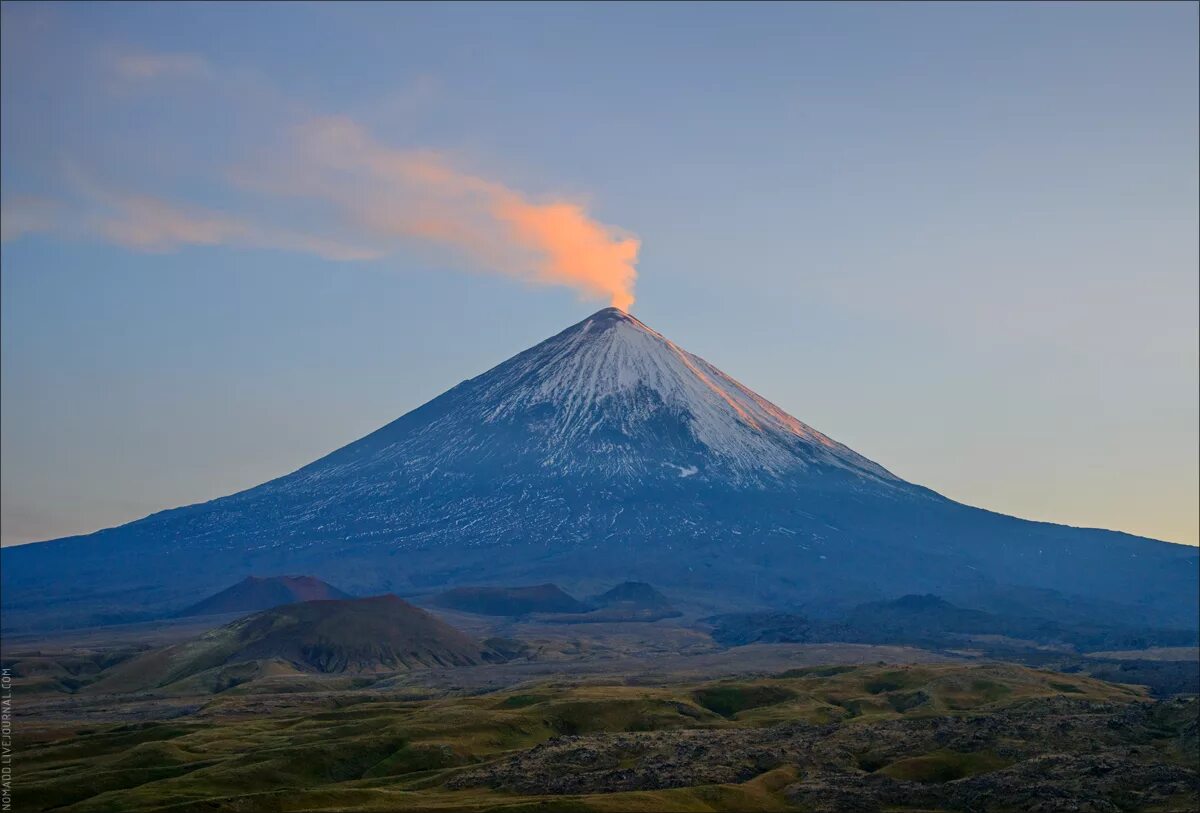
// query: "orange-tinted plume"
[[392, 193], [578, 250]]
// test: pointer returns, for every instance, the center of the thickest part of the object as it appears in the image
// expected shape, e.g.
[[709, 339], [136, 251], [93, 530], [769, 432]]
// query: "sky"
[[960, 238]]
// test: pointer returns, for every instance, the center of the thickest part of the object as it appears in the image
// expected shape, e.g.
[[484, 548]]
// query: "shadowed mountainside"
[[254, 593], [510, 601], [928, 620], [606, 453], [629, 601], [632, 594]]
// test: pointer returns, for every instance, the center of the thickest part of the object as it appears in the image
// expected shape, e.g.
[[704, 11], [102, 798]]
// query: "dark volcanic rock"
[[1052, 754], [738, 629]]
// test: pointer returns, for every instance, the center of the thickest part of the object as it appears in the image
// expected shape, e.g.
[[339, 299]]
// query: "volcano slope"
[[381, 634], [254, 593], [606, 453]]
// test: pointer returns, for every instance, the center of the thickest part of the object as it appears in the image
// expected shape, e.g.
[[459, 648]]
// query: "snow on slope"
[[612, 356], [608, 402], [605, 452]]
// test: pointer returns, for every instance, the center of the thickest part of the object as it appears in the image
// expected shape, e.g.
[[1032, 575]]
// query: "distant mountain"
[[632, 594], [366, 635], [510, 601], [254, 593], [606, 453], [927, 619], [629, 601], [931, 621]]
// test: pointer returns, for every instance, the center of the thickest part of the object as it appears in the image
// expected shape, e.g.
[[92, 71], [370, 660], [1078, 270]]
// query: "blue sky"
[[961, 239]]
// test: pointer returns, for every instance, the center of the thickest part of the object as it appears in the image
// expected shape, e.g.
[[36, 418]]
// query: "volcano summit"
[[606, 453]]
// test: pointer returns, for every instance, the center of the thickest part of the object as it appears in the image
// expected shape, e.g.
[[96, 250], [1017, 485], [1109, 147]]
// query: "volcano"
[[604, 454], [253, 594], [364, 635]]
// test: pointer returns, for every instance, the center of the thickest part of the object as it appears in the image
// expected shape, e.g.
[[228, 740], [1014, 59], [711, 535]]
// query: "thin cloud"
[[26, 215], [142, 65], [327, 187], [392, 195], [151, 224]]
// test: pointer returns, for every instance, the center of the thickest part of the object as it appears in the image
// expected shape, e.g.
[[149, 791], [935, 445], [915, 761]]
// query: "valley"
[[580, 717], [901, 736]]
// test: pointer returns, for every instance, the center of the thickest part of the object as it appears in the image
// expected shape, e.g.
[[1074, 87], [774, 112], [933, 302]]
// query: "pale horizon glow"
[[961, 239]]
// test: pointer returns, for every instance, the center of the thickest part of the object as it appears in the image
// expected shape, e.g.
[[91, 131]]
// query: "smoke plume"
[[391, 194]]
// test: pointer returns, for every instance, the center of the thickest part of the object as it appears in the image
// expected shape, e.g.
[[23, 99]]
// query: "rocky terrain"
[[869, 736], [1057, 753], [377, 704]]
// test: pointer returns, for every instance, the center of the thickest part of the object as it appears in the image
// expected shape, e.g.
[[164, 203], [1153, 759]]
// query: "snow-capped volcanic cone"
[[606, 398], [609, 395], [606, 453]]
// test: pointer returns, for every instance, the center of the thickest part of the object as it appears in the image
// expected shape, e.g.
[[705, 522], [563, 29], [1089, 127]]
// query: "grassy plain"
[[273, 744]]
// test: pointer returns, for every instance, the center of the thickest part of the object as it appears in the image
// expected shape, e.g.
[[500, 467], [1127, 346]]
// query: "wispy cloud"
[[326, 186], [146, 223], [26, 215], [153, 224], [394, 194], [141, 65]]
